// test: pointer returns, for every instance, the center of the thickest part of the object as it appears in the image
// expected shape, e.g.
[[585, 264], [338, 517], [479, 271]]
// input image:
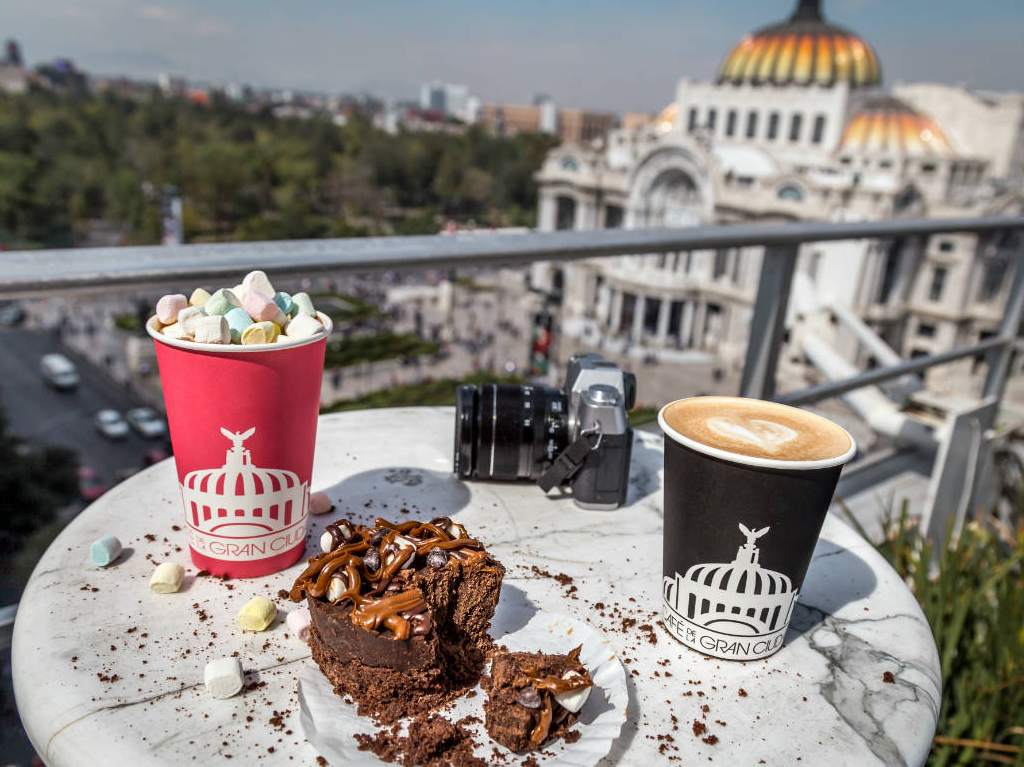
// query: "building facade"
[[795, 127]]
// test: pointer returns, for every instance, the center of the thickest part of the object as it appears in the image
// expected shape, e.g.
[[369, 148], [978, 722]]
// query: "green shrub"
[[430, 392], [973, 597], [375, 348]]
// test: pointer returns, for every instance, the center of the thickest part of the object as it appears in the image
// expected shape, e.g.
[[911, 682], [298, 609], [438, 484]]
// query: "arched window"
[[790, 192], [565, 216]]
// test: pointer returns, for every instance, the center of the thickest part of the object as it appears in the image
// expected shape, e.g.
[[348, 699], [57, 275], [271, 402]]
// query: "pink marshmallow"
[[260, 307], [167, 308], [320, 503], [298, 621]]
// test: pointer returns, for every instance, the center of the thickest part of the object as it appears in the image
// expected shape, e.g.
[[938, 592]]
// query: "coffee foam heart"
[[767, 435]]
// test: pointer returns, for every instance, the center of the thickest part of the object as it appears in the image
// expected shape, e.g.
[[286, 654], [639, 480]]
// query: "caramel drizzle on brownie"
[[403, 614], [552, 685]]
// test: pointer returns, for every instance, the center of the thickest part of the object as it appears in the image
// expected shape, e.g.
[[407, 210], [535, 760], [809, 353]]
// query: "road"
[[38, 413]]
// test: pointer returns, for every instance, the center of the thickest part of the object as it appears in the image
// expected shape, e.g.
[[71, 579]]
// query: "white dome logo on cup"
[[737, 609], [241, 511]]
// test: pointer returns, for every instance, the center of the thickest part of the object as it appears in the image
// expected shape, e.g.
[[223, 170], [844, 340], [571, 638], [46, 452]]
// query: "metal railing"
[[29, 273], [47, 272]]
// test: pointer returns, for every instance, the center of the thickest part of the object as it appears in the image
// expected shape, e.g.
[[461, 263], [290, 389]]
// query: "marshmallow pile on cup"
[[249, 313]]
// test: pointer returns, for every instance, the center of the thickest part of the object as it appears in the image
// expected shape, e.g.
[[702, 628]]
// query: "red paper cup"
[[243, 427]]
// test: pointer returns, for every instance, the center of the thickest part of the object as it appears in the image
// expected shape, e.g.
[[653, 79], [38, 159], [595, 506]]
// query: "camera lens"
[[505, 431]]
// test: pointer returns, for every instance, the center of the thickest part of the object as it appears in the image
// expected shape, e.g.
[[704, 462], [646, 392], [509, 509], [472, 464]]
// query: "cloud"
[[159, 13]]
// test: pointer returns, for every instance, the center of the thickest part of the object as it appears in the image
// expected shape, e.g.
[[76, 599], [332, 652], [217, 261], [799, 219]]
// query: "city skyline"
[[593, 58]]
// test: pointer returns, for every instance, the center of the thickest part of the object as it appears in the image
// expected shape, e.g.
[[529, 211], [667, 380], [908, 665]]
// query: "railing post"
[[769, 322], [1001, 360]]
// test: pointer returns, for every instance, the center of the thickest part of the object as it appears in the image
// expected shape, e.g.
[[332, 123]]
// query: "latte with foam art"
[[757, 429]]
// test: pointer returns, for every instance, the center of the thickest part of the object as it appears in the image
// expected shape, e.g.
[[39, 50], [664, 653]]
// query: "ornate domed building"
[[795, 126], [803, 50]]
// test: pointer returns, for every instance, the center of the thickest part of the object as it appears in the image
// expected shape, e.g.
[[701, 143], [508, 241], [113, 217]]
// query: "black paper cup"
[[739, 535]]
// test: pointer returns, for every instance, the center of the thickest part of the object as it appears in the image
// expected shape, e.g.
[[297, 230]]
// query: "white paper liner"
[[330, 724]]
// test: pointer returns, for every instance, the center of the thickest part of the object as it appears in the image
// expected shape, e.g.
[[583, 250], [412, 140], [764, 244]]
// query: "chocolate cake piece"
[[534, 697], [400, 613]]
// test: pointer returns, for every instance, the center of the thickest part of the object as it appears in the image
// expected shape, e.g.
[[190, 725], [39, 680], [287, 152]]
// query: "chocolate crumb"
[[888, 678]]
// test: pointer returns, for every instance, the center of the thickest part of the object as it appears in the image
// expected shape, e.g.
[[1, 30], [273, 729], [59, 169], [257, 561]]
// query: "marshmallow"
[[238, 320], [257, 614], [336, 587], [320, 503], [221, 302], [198, 298], [167, 308], [212, 330], [177, 331], [223, 677], [298, 623], [187, 318], [284, 302], [303, 304], [260, 307], [303, 326], [574, 699], [257, 282], [260, 333], [167, 578], [105, 550]]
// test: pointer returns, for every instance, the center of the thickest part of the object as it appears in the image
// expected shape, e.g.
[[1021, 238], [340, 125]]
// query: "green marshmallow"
[[303, 304], [221, 302]]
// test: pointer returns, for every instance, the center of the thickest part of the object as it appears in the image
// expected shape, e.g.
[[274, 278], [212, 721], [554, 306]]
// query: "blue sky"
[[617, 55]]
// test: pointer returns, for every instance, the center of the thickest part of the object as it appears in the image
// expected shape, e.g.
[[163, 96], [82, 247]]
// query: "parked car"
[[146, 422], [90, 486], [111, 424], [58, 371], [12, 314]]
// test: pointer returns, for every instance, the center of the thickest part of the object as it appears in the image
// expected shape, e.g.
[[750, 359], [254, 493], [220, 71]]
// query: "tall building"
[[573, 126], [448, 99], [795, 127]]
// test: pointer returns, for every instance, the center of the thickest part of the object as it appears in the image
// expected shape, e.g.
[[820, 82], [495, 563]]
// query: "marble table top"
[[106, 672]]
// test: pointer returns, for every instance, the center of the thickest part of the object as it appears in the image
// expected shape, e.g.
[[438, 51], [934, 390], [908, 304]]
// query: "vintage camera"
[[577, 436]]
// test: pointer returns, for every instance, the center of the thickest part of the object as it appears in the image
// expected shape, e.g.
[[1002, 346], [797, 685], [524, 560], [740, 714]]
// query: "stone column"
[[663, 312], [638, 318], [604, 300], [687, 326], [698, 324], [548, 211], [615, 319]]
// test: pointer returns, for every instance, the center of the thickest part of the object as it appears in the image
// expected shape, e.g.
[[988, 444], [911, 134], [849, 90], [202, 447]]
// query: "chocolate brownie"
[[400, 613], [534, 697]]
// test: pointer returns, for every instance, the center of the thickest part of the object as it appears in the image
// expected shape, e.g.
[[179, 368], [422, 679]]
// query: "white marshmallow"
[[224, 677], [298, 623], [336, 588], [212, 329], [320, 503], [303, 326], [187, 318], [574, 700], [176, 331], [326, 542], [259, 282]]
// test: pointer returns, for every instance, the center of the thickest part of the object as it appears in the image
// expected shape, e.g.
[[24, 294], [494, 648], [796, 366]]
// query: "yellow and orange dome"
[[886, 125], [804, 50]]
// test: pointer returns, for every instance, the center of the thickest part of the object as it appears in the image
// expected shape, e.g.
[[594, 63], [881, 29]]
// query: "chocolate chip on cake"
[[437, 558]]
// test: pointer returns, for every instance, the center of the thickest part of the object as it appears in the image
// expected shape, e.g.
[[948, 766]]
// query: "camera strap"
[[571, 459]]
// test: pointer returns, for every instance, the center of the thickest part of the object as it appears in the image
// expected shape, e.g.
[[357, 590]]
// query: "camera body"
[[577, 436]]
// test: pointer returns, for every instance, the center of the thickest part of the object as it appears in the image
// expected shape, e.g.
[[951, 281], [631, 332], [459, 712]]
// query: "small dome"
[[804, 50], [886, 125], [666, 119]]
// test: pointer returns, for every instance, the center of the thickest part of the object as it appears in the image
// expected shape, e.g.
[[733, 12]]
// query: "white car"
[[59, 372], [111, 424], [146, 422]]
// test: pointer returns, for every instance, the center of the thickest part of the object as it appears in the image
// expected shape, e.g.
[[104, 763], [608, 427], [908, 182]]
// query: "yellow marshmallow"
[[167, 578], [257, 615], [198, 298], [260, 333]]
